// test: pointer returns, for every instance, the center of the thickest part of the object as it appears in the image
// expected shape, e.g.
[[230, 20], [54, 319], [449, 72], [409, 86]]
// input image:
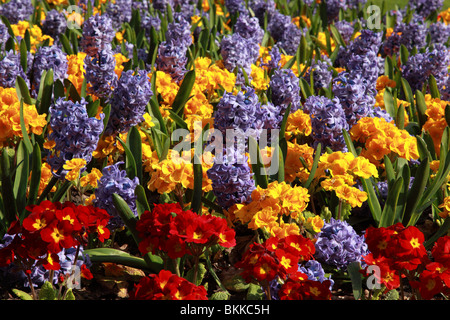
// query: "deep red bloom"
[[441, 251], [167, 286]]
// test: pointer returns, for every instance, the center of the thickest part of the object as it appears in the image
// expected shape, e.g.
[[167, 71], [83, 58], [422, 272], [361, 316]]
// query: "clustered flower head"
[[17, 10], [328, 119], [268, 206], [168, 229], [352, 93], [278, 260], [50, 228], [172, 52], [399, 249], [128, 102], [167, 286], [73, 132], [231, 178], [10, 69], [419, 67], [115, 181], [47, 58], [100, 73], [342, 171], [382, 138], [285, 89], [54, 24], [338, 244], [98, 33], [238, 52]]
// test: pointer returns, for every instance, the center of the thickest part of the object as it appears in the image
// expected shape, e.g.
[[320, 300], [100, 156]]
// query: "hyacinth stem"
[[340, 210], [30, 282]]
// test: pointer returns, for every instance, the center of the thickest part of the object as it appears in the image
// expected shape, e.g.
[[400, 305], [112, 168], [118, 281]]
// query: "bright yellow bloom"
[[260, 81], [74, 166], [120, 60], [315, 223], [298, 124], [75, 70], [382, 138], [445, 16], [10, 117], [36, 35], [91, 178]]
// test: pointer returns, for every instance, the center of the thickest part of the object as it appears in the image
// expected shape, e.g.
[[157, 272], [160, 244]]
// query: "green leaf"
[[220, 295], [315, 164], [22, 294], [257, 166], [404, 54], [69, 295], [23, 55], [141, 200], [46, 89], [390, 105], [122, 257], [196, 202], [421, 108], [130, 164], [26, 138], [255, 292], [201, 272], [134, 143], [35, 180], [184, 92], [61, 191], [127, 216], [353, 269], [22, 91], [388, 214], [337, 36], [442, 231], [178, 120], [305, 87], [65, 43], [434, 91], [7, 189], [21, 178], [47, 292], [415, 194]]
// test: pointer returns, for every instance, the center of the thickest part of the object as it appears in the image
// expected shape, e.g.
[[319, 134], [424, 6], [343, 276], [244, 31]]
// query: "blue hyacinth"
[[114, 180], [75, 134], [338, 244], [129, 100], [328, 119]]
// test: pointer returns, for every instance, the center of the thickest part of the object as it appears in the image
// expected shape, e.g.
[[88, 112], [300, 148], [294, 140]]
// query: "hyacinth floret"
[[54, 24], [285, 87], [100, 73], [338, 244], [238, 52], [172, 60], [248, 27], [74, 133], [231, 177], [354, 96], [114, 180], [10, 68], [328, 119], [262, 7], [119, 11], [128, 102], [17, 10], [47, 58], [98, 33]]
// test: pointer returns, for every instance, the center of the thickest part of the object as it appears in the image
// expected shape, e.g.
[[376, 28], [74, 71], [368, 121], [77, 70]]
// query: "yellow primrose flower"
[[91, 178], [74, 166]]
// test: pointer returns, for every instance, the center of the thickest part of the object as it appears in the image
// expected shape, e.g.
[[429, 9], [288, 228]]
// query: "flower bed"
[[224, 150]]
